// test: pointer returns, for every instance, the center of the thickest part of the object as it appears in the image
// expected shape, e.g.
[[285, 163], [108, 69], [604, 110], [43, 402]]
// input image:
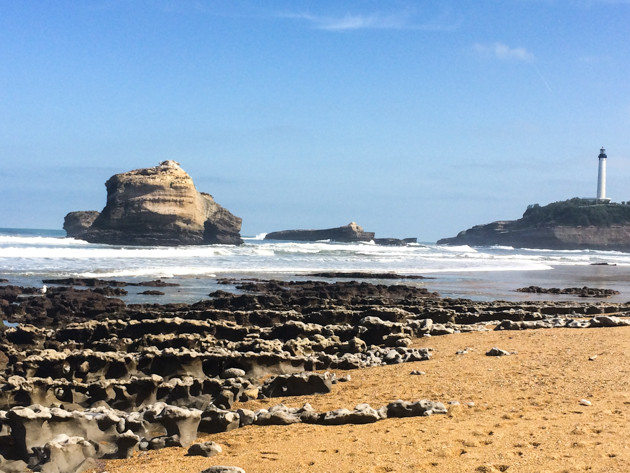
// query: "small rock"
[[233, 373], [585, 402], [462, 352], [223, 469], [494, 351], [417, 373], [246, 416], [206, 449], [592, 358]]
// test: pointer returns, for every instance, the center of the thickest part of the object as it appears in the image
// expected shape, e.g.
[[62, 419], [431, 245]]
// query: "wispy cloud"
[[404, 20], [504, 52]]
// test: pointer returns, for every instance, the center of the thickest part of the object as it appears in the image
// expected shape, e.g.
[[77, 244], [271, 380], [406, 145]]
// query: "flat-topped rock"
[[348, 233], [156, 206]]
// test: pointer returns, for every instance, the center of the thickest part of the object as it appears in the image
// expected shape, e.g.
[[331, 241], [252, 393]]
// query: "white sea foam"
[[30, 258], [259, 237]]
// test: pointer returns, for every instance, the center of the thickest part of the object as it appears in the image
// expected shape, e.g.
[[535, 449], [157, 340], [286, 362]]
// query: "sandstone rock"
[[411, 409], [126, 443], [64, 454], [205, 449], [215, 420], [246, 416], [301, 384], [233, 373], [12, 466], [608, 321], [181, 422], [494, 351], [277, 415], [159, 206], [362, 414]]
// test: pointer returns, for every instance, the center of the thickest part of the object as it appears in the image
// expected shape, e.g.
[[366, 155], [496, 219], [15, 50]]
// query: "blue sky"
[[412, 118]]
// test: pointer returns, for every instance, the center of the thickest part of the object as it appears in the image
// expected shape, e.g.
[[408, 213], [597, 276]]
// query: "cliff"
[[349, 233], [567, 225], [156, 206]]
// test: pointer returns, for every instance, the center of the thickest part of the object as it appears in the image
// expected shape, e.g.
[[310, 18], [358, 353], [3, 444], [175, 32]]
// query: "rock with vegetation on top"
[[156, 206], [568, 225]]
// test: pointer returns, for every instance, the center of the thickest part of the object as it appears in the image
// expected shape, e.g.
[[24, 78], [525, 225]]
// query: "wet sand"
[[501, 285], [518, 413]]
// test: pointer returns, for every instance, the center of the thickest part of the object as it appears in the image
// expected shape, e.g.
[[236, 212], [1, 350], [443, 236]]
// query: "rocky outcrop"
[[156, 206], [568, 225], [554, 237], [349, 233], [84, 376], [576, 291], [395, 241], [78, 222]]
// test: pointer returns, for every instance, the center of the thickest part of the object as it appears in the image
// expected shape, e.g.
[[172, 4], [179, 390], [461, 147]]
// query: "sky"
[[412, 118]]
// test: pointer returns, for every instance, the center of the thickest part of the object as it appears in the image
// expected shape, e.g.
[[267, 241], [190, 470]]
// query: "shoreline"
[[160, 377]]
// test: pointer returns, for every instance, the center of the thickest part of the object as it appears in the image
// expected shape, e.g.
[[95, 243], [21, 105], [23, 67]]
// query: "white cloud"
[[504, 52], [403, 20], [353, 22]]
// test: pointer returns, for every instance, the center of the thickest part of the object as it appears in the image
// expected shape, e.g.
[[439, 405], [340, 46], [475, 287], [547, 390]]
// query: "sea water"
[[27, 257]]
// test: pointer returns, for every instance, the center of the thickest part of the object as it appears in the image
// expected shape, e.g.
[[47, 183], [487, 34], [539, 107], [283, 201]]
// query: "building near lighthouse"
[[601, 177]]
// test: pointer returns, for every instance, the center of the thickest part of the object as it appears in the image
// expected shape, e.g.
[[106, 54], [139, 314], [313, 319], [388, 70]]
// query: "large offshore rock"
[[156, 206], [349, 233]]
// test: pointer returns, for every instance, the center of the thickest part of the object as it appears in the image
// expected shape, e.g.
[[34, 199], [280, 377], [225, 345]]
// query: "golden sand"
[[517, 413]]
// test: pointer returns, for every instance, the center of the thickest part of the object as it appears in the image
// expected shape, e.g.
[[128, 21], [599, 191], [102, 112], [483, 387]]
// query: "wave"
[[41, 241], [37, 255], [258, 237]]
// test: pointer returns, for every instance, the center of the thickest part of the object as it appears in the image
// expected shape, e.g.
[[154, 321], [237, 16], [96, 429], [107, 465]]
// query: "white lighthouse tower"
[[601, 177]]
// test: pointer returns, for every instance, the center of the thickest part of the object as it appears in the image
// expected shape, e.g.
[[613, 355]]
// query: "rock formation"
[[568, 225], [156, 206], [84, 376], [76, 223], [349, 233]]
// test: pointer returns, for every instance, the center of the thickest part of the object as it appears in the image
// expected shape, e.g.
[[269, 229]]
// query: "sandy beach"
[[517, 413]]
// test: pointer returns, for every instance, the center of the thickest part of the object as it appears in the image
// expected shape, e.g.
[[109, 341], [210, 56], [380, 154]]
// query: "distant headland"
[[567, 225], [575, 224]]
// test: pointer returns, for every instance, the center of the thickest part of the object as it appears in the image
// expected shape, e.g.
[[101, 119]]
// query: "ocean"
[[28, 256]]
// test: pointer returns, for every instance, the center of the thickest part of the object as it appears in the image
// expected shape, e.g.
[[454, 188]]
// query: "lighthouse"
[[601, 177]]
